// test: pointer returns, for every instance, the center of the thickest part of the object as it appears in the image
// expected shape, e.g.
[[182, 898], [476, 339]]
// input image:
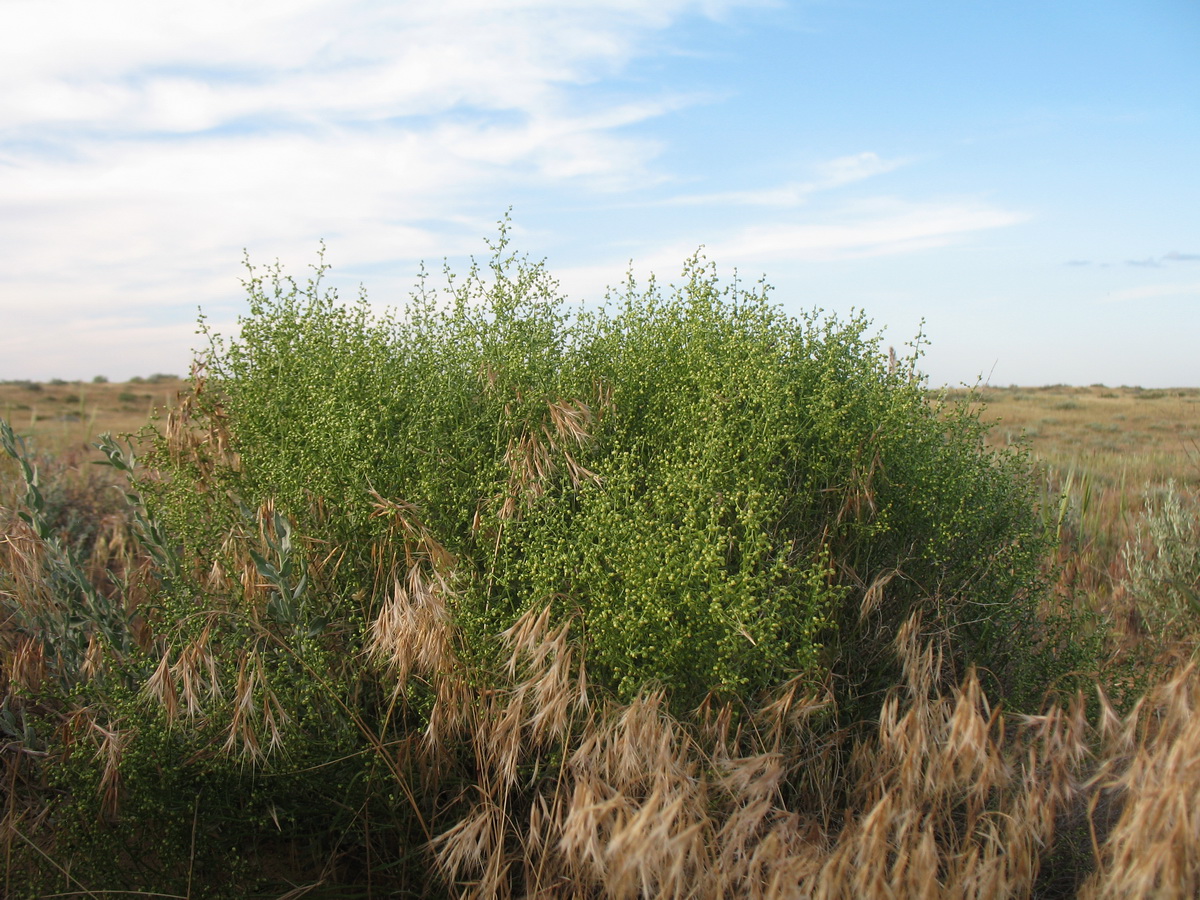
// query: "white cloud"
[[878, 228], [148, 65], [143, 145], [1155, 292], [892, 228], [835, 173]]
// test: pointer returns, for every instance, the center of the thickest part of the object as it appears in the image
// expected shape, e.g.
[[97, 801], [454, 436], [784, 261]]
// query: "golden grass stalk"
[[1154, 847], [411, 633], [944, 797]]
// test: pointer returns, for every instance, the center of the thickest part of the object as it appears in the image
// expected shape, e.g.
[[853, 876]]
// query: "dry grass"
[[1103, 450], [68, 415], [943, 797], [1113, 436]]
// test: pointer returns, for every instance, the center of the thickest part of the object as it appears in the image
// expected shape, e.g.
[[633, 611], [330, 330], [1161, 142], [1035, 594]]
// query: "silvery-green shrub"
[[1162, 560]]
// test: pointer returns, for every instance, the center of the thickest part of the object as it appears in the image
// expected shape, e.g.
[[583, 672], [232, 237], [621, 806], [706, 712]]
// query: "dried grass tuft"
[[411, 633], [944, 797], [1154, 848]]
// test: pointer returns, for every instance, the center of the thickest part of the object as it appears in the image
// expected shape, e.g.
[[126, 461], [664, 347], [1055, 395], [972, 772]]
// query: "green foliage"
[[75, 613], [726, 496], [720, 498]]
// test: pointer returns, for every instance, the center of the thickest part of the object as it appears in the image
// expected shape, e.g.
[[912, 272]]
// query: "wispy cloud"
[[143, 145], [1156, 262], [134, 64], [836, 173], [1155, 292], [880, 228], [893, 227]]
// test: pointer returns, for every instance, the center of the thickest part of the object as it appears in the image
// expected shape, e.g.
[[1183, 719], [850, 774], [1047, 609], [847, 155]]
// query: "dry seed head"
[[752, 779], [94, 657], [160, 686], [252, 589], [525, 637], [873, 595], [242, 738], [498, 742], [412, 631], [1154, 848], [546, 664], [655, 852], [275, 718], [197, 671], [571, 421], [217, 580], [113, 744], [470, 845], [28, 663], [552, 699], [419, 543], [23, 558], [594, 810], [451, 713], [531, 466]]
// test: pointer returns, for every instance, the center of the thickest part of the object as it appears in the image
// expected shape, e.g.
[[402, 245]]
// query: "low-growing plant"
[[1162, 562]]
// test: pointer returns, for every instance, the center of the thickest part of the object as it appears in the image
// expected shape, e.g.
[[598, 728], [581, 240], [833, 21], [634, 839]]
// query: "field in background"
[[67, 415], [1106, 450], [1123, 438], [1112, 437], [1103, 446]]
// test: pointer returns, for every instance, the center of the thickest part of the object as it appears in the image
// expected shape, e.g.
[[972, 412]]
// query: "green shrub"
[[725, 495], [1162, 562], [718, 496]]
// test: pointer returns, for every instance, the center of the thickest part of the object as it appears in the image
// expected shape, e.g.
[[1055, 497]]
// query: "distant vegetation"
[[678, 597]]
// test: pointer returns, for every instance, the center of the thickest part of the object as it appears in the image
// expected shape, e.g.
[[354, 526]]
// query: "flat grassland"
[[67, 415], [1103, 439], [1102, 449], [1114, 436]]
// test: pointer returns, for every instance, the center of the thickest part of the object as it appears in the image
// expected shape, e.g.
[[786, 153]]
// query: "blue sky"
[[1022, 176]]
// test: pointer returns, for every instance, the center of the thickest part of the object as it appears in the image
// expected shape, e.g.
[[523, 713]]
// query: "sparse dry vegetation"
[[1122, 491], [686, 600]]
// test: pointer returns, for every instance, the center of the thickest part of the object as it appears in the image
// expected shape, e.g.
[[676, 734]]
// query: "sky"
[[1022, 177]]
